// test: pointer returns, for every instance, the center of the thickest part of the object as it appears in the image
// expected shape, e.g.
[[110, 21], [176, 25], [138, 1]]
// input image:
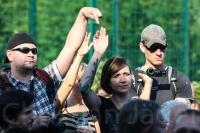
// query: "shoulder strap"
[[136, 81], [43, 75], [48, 81], [5, 85], [172, 77], [169, 73]]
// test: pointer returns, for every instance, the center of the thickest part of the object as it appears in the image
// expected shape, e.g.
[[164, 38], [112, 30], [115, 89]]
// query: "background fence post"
[[185, 50], [115, 31], [92, 27], [32, 18]]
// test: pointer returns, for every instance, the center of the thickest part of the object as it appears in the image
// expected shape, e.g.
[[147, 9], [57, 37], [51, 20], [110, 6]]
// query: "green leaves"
[[196, 86]]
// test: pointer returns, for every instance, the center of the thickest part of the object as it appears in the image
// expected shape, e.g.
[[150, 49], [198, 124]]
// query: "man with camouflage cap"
[[168, 83]]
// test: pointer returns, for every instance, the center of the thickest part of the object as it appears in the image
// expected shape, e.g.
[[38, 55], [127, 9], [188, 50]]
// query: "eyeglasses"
[[156, 46], [26, 50]]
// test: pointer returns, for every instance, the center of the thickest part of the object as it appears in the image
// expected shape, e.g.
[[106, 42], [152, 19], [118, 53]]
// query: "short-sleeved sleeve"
[[184, 88], [54, 73]]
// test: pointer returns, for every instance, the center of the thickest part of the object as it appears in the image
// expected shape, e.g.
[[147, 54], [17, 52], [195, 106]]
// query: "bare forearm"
[[65, 60], [73, 41], [69, 80]]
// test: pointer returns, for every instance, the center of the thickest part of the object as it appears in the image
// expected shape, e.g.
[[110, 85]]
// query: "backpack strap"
[[137, 82], [169, 73], [43, 75], [5, 85], [172, 78]]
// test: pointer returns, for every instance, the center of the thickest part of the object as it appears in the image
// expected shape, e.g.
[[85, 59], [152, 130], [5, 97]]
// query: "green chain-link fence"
[[175, 16], [49, 21]]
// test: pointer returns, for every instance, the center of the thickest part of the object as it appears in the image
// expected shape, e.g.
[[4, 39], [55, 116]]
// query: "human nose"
[[122, 78], [158, 51]]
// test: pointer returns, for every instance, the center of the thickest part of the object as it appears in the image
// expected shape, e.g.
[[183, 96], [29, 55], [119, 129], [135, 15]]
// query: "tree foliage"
[[54, 19]]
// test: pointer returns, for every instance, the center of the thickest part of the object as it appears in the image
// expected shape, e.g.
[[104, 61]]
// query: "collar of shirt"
[[15, 82]]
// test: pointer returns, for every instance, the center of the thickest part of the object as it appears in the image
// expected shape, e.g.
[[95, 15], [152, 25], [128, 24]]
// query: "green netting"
[[124, 20], [174, 16]]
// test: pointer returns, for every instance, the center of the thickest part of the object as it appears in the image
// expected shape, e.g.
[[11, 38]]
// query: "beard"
[[29, 67]]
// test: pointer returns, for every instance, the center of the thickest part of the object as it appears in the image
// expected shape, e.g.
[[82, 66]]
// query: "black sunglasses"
[[26, 50], [156, 46]]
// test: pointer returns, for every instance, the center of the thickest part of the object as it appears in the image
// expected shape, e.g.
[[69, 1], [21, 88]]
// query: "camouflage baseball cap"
[[153, 34]]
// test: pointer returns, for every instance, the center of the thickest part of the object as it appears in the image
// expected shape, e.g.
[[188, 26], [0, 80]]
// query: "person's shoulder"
[[4, 74], [182, 80], [4, 70], [180, 75], [105, 100], [42, 74]]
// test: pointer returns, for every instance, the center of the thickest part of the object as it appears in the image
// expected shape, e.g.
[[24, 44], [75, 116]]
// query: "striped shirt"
[[70, 121]]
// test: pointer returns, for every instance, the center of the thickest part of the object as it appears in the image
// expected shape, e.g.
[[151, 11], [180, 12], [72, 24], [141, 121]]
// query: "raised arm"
[[146, 92], [75, 38], [100, 41], [70, 78]]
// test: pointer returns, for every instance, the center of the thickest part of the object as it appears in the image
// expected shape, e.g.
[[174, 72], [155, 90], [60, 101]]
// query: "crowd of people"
[[152, 98]]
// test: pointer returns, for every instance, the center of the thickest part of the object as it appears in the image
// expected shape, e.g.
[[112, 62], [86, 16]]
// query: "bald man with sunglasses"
[[22, 55], [168, 83]]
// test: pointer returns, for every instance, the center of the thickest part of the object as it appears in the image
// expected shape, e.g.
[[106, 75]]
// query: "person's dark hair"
[[37, 130], [17, 130], [139, 116], [12, 104], [112, 66], [189, 112], [192, 114]]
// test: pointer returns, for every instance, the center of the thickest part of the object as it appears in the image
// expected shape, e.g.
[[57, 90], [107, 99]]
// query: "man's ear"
[[9, 55], [142, 48]]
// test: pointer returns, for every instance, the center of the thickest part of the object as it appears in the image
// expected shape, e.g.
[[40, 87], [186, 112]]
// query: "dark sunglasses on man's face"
[[156, 46], [26, 50]]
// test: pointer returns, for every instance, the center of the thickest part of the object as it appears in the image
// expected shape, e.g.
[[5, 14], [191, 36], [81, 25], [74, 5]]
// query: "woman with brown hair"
[[116, 80]]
